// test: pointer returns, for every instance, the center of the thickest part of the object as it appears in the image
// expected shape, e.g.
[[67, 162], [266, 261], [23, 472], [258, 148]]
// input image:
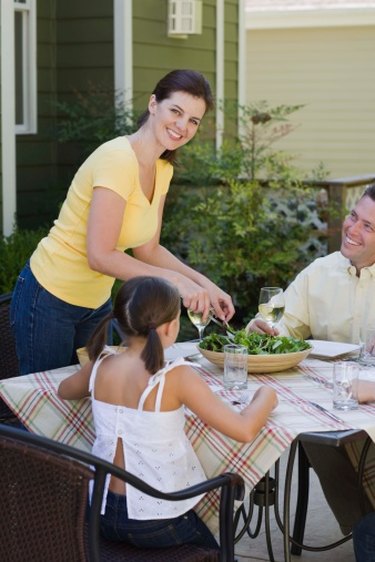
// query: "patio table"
[[34, 400]]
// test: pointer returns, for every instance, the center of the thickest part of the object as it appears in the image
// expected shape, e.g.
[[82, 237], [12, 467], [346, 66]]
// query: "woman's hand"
[[194, 297], [222, 304], [204, 299]]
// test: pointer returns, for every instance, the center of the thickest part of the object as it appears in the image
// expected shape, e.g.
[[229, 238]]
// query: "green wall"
[[76, 53], [36, 154]]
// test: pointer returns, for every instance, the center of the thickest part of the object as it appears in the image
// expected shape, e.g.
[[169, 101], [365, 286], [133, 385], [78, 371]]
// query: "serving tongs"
[[223, 324]]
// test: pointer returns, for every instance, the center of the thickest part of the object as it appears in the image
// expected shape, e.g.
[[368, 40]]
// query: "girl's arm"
[[77, 385], [241, 426], [103, 231]]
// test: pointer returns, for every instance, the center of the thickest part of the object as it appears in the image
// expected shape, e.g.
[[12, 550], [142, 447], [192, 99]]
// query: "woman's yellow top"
[[59, 263]]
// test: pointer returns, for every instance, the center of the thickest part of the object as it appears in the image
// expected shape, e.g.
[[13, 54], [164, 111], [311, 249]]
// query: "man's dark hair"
[[370, 191]]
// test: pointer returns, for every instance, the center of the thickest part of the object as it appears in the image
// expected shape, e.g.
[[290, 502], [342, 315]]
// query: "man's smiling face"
[[358, 234]]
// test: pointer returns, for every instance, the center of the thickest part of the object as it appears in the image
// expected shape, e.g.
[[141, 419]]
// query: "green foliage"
[[15, 250], [93, 117], [234, 232], [221, 214]]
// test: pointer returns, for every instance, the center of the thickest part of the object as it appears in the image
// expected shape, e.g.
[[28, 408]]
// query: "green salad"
[[257, 344]]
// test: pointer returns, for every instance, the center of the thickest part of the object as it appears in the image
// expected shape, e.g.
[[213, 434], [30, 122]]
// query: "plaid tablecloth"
[[34, 400]]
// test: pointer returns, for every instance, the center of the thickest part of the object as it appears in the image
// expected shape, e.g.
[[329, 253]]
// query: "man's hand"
[[261, 327]]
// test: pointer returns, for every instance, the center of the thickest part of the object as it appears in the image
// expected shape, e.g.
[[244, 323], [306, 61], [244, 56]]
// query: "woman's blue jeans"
[[364, 539], [48, 330], [156, 533]]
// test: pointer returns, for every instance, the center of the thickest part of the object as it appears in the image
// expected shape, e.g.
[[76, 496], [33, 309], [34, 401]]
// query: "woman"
[[115, 203]]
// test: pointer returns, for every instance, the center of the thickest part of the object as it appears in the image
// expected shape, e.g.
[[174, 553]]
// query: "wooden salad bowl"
[[271, 363]]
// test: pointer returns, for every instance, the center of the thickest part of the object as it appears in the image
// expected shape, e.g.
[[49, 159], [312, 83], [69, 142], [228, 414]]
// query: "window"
[[25, 66]]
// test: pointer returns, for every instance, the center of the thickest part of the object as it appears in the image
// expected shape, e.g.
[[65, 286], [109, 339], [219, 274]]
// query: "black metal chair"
[[8, 357], [342, 483], [44, 490]]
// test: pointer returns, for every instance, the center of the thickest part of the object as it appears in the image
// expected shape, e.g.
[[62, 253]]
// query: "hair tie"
[[152, 326]]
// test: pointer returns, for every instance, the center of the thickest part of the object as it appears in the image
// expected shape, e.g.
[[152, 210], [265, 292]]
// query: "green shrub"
[[92, 118], [221, 213], [232, 230], [15, 250]]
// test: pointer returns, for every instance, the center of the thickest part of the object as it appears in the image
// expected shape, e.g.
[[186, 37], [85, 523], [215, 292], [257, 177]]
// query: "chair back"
[[8, 357], [44, 489], [43, 503]]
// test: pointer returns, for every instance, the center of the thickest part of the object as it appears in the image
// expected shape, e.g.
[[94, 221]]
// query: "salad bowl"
[[272, 363], [266, 354]]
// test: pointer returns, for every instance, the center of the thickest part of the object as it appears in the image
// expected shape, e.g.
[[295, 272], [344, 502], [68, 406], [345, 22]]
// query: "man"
[[334, 297]]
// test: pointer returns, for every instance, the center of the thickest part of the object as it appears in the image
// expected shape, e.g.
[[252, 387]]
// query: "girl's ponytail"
[[153, 353], [98, 339]]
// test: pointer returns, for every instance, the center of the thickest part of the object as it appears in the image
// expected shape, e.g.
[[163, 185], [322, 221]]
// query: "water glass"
[[345, 383], [235, 367], [367, 341]]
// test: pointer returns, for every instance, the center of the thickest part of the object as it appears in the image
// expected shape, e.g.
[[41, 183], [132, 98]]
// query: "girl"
[[138, 408], [115, 203]]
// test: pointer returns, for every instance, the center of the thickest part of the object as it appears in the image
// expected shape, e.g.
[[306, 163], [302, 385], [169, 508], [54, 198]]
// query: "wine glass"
[[271, 305], [196, 318]]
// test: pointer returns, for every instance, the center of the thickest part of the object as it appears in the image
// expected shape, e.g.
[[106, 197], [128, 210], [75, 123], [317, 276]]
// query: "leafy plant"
[[235, 232], [94, 117], [223, 212], [15, 250]]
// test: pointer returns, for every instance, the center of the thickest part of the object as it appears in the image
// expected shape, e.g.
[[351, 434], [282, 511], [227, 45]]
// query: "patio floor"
[[321, 528]]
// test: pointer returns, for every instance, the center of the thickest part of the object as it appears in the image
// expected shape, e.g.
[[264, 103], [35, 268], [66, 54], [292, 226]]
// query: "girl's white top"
[[156, 448]]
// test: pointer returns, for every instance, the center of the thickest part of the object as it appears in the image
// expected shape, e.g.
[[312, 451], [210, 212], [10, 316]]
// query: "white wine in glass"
[[271, 305], [196, 318]]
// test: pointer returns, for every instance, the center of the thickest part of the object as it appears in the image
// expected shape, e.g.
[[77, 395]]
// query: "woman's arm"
[[208, 295], [77, 385], [104, 227], [241, 426]]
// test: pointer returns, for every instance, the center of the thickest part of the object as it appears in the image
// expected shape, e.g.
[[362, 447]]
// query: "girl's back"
[[149, 442]]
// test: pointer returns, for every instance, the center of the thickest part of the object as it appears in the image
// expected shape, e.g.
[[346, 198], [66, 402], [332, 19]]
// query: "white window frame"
[[29, 67]]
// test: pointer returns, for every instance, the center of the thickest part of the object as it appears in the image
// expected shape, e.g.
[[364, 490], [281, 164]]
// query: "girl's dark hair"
[[141, 305], [188, 81]]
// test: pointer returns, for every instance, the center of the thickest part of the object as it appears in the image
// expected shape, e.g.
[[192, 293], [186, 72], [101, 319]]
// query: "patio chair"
[[8, 357], [44, 490], [342, 483]]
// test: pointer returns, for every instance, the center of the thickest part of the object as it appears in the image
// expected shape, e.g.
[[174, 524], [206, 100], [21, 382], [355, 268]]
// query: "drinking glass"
[[196, 318], [235, 367], [367, 343], [345, 382], [271, 305]]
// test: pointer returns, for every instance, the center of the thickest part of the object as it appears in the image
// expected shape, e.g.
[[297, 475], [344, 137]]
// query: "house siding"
[[331, 71], [85, 60], [155, 53], [75, 49], [36, 154]]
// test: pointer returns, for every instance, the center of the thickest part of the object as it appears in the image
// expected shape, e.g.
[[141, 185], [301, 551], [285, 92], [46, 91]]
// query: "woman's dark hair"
[[188, 81], [141, 305]]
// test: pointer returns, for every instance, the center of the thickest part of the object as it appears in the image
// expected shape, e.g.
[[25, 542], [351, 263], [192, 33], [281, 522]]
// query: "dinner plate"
[[331, 349], [271, 363]]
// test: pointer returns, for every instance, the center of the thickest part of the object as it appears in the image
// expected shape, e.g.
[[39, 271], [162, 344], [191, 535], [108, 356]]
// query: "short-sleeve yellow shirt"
[[59, 263]]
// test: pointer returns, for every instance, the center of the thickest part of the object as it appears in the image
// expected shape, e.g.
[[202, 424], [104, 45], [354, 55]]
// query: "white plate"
[[331, 349]]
